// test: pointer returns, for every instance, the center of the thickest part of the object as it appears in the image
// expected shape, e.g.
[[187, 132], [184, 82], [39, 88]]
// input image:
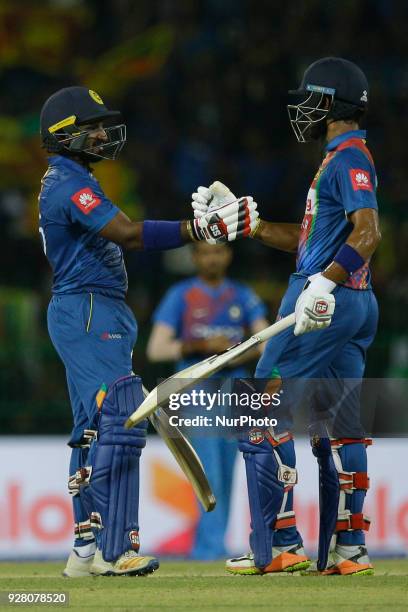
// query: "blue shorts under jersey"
[[196, 310], [345, 182], [73, 209]]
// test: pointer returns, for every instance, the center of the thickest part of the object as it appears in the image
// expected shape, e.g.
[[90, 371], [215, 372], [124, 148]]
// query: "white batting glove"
[[210, 198], [229, 222], [315, 305], [200, 201]]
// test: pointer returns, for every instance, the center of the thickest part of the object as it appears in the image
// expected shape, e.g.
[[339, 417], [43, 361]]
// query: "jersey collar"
[[60, 160], [335, 142], [212, 290]]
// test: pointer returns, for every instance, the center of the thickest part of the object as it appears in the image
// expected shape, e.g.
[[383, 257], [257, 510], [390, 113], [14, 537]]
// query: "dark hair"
[[344, 111]]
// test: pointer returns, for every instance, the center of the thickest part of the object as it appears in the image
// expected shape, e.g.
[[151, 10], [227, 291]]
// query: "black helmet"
[[332, 88], [66, 111]]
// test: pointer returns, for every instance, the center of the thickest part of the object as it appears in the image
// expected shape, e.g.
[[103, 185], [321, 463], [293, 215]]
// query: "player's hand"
[[200, 201], [211, 198], [227, 223], [315, 305]]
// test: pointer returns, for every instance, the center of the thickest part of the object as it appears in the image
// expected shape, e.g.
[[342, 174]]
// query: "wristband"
[[161, 235], [256, 228], [349, 259], [190, 226]]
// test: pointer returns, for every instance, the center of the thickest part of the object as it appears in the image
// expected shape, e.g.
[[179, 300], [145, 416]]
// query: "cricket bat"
[[185, 378]]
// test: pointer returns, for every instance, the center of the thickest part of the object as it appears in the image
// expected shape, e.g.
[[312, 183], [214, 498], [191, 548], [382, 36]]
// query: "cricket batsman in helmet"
[[93, 329], [332, 297]]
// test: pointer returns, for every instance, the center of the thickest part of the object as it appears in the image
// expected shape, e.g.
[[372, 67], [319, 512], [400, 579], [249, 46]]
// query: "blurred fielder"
[[334, 244], [92, 328], [198, 317]]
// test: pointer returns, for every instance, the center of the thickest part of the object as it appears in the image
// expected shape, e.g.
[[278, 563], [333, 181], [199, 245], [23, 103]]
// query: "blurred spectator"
[[196, 318]]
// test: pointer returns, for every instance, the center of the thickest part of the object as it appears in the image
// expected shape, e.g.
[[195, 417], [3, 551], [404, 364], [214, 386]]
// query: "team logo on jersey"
[[256, 436], [234, 311], [85, 200], [360, 179]]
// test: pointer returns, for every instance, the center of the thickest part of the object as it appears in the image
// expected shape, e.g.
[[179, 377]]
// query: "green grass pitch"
[[181, 585]]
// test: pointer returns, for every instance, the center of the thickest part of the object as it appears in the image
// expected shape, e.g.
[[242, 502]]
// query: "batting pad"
[[268, 496], [112, 495]]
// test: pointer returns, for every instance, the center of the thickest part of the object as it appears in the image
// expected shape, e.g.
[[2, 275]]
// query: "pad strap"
[[351, 481], [83, 530], [86, 440], [95, 520], [277, 439], [285, 520], [339, 442], [80, 478], [346, 521]]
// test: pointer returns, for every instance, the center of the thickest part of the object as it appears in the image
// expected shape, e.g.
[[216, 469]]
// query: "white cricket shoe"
[[284, 559], [77, 566], [130, 564]]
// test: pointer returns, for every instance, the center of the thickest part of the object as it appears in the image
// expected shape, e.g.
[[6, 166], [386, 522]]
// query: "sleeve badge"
[[85, 200], [360, 179]]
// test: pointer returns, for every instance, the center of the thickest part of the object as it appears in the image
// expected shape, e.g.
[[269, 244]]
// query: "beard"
[[318, 131]]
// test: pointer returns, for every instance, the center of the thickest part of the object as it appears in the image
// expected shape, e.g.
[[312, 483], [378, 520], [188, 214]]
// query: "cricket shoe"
[[128, 564], [284, 559], [345, 561], [78, 566]]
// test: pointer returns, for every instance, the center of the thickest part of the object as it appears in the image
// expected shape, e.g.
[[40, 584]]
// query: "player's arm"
[[164, 346], [130, 234], [229, 222], [362, 242], [281, 236]]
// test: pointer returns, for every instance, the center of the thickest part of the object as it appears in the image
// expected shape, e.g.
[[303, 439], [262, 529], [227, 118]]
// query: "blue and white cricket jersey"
[[196, 310], [345, 182], [73, 209]]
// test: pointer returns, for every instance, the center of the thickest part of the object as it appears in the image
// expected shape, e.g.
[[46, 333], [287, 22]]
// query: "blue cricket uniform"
[[195, 311], [90, 325], [345, 182]]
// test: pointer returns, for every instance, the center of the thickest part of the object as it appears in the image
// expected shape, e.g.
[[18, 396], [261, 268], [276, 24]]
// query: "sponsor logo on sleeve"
[[85, 200], [360, 179]]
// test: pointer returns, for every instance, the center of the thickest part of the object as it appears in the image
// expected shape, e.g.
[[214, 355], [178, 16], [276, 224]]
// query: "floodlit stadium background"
[[202, 86]]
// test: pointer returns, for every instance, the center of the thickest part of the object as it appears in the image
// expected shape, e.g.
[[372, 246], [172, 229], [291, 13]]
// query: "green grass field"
[[182, 585]]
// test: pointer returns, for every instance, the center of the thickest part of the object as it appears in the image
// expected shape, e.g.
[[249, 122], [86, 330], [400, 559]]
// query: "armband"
[[349, 259], [161, 235]]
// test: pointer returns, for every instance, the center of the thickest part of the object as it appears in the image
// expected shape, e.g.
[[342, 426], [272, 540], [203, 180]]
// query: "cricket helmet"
[[331, 88], [62, 118]]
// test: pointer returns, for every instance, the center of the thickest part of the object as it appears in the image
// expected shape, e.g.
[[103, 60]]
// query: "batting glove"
[[229, 222], [315, 305], [204, 198]]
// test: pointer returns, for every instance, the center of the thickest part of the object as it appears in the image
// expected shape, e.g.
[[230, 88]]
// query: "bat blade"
[[186, 457]]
